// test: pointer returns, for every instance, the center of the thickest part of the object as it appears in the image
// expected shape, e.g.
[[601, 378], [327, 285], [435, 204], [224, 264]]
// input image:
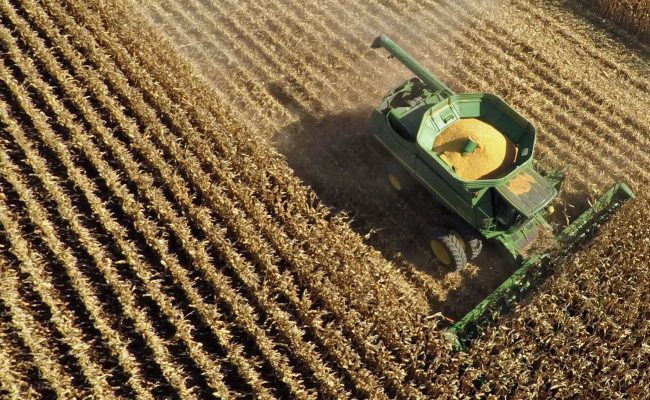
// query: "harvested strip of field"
[[306, 77]]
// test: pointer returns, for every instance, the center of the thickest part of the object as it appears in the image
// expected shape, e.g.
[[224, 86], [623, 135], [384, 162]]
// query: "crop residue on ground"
[[153, 244]]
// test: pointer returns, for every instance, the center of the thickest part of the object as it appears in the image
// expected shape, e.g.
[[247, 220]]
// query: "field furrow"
[[65, 319], [315, 67]]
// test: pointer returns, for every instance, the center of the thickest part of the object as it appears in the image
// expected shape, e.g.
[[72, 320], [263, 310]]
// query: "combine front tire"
[[471, 239], [474, 247], [449, 249]]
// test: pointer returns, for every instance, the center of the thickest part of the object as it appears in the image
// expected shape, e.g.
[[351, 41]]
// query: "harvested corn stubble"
[[491, 156]]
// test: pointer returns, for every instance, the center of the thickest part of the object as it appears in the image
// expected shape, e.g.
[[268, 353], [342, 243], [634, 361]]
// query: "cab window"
[[505, 214]]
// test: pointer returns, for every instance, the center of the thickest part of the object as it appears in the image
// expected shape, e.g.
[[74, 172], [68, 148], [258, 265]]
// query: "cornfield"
[[632, 14], [155, 244], [586, 332]]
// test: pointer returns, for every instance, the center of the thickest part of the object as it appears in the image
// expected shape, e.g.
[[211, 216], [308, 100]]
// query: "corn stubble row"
[[151, 247]]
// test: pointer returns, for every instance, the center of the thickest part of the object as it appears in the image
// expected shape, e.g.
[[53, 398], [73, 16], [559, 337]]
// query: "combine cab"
[[506, 203]]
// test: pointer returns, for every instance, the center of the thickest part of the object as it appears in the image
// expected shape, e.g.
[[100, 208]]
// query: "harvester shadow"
[[337, 156]]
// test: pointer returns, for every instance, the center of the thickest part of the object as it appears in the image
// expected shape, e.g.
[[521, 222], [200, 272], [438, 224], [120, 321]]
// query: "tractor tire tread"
[[474, 248], [456, 250]]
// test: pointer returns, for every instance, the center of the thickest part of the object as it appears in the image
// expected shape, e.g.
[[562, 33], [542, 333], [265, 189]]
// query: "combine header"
[[474, 154]]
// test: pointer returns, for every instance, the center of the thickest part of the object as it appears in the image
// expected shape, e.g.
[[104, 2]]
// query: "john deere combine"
[[506, 203]]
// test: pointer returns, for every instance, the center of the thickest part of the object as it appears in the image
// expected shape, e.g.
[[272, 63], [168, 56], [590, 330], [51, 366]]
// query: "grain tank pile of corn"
[[475, 150], [154, 244]]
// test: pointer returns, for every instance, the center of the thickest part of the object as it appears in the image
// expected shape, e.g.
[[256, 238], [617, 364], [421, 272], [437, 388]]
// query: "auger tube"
[[429, 80]]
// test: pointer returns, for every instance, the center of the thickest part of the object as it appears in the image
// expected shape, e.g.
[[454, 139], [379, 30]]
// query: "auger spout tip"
[[379, 41]]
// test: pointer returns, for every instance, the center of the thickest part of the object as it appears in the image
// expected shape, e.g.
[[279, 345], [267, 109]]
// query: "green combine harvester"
[[509, 209]]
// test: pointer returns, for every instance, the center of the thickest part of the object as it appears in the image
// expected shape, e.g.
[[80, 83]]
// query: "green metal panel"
[[528, 202], [483, 210], [469, 109], [455, 199], [398, 148]]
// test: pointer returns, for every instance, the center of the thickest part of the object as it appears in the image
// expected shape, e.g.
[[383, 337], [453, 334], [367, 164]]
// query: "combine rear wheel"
[[449, 249], [399, 179]]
